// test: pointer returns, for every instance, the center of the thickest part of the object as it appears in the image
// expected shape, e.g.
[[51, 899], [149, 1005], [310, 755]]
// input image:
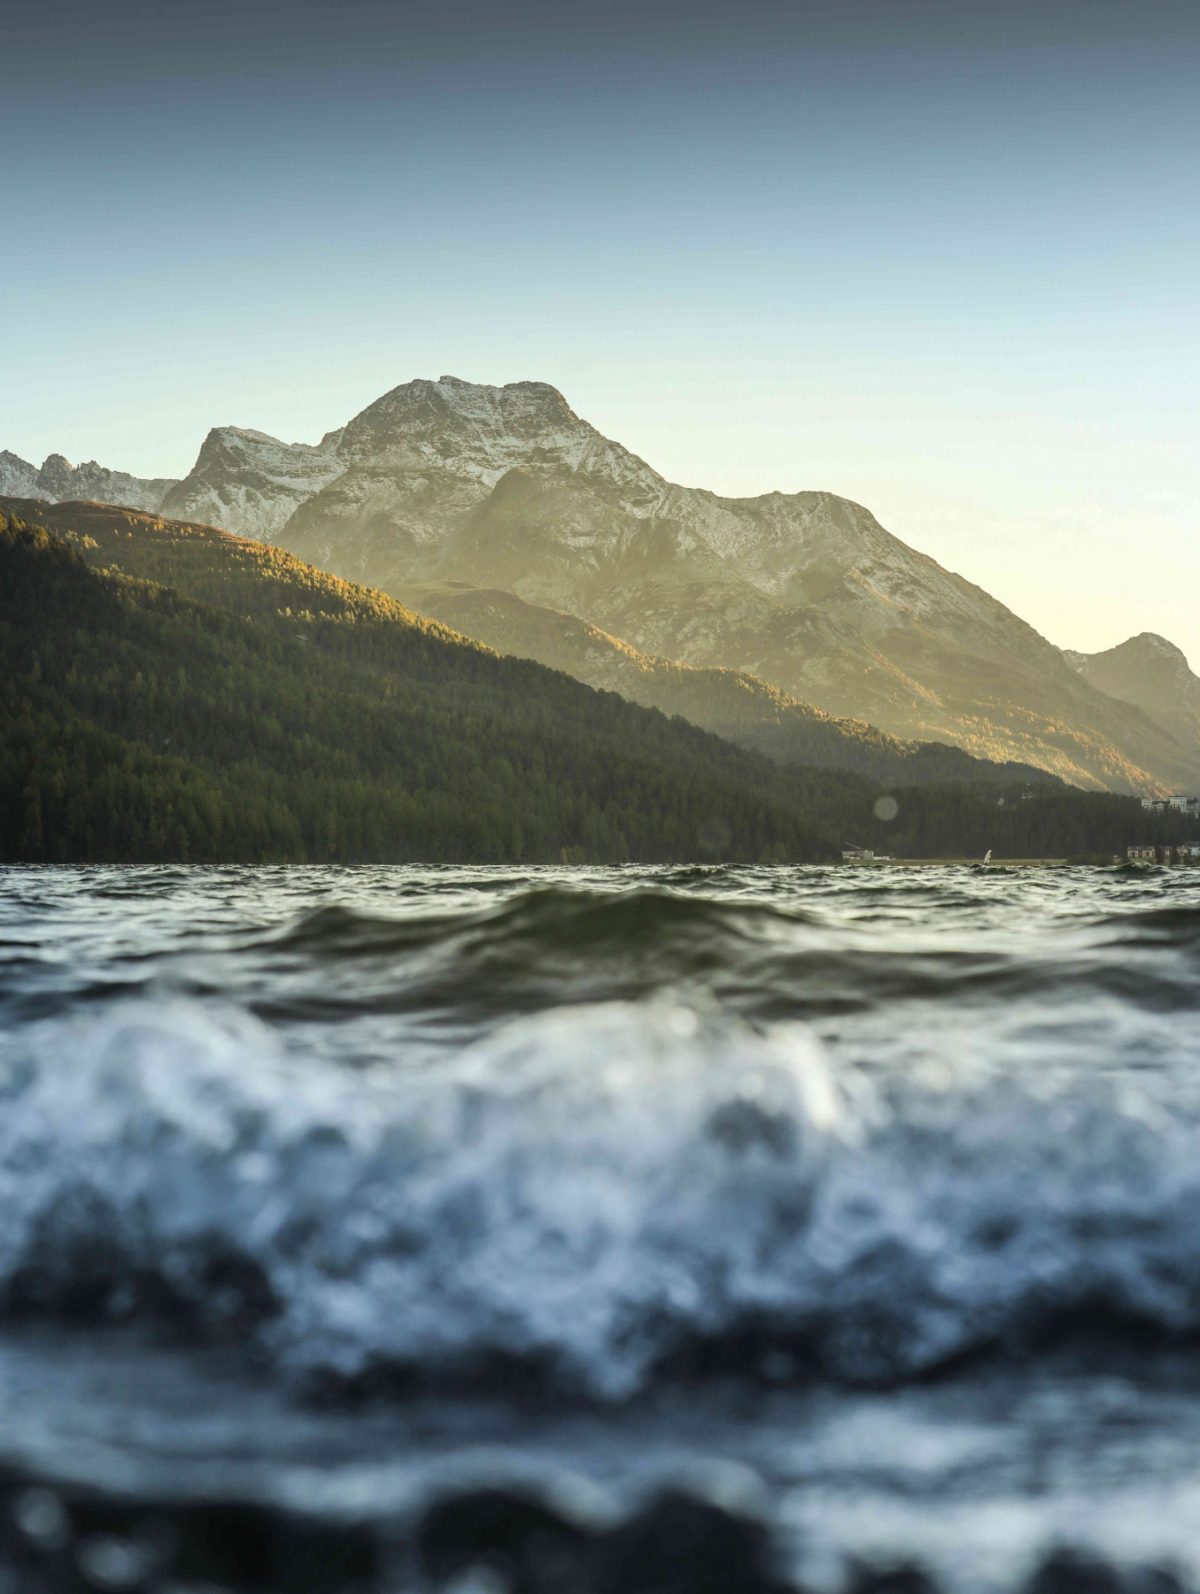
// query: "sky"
[[942, 258]]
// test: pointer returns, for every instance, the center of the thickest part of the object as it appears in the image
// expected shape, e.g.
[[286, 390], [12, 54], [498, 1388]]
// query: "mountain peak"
[[1146, 650], [58, 481], [251, 481], [247, 432], [486, 428], [1151, 673], [18, 478], [527, 384], [1150, 642], [474, 398]]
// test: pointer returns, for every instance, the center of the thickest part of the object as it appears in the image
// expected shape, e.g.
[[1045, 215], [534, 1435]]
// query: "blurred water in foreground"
[[387, 1227]]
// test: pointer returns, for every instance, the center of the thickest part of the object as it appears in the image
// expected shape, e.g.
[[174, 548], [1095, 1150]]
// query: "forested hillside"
[[219, 568], [172, 692], [141, 724], [730, 703]]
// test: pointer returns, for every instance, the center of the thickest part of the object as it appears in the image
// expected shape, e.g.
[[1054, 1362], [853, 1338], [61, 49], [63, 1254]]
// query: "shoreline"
[[973, 863]]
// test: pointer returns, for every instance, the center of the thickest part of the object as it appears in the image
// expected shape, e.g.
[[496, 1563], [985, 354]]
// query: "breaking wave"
[[594, 1199]]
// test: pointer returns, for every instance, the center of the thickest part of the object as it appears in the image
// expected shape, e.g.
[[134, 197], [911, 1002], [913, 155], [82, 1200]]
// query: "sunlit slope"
[[254, 578], [1153, 675], [731, 703], [805, 591], [276, 712], [326, 720], [509, 488]]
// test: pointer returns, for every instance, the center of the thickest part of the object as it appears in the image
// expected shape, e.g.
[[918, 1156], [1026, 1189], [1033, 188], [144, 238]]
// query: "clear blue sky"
[[942, 258]]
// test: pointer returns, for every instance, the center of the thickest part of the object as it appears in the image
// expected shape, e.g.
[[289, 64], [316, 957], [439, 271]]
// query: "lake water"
[[861, 1203]]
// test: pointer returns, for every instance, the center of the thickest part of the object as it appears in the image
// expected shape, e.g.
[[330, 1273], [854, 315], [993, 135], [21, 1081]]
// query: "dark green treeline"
[[170, 692], [137, 724]]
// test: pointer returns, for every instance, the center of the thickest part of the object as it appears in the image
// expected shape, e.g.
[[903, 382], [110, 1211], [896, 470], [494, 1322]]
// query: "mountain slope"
[[733, 705], [508, 488], [1153, 675], [303, 718]]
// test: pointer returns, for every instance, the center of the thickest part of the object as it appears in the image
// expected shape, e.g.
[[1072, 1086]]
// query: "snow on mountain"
[[61, 482], [250, 483], [18, 478], [420, 458], [508, 488]]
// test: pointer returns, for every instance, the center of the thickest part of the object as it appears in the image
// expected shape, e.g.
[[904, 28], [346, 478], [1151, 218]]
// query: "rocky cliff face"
[[18, 478], [1153, 675], [250, 483], [58, 482], [422, 458]]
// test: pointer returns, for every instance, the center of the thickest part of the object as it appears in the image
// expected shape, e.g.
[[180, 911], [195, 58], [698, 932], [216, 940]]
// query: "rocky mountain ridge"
[[58, 481], [251, 483], [507, 488]]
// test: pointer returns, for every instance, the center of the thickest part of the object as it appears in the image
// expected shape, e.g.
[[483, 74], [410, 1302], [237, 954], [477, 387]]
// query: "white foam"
[[591, 1187]]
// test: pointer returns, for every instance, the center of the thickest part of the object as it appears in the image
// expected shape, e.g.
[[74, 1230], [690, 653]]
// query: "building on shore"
[[1176, 804], [1182, 852]]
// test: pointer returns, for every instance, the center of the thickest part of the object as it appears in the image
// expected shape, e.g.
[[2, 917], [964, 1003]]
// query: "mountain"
[[507, 488], [169, 690], [58, 480], [249, 482], [734, 705], [1153, 675], [18, 478], [420, 459]]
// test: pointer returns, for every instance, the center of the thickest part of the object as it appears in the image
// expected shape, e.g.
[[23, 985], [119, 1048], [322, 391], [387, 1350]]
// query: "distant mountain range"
[[58, 481], [507, 490]]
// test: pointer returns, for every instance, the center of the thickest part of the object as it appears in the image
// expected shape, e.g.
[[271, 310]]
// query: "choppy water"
[[345, 1186]]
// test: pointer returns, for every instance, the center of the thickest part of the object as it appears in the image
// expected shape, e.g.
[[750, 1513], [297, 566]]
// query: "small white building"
[[857, 855], [1141, 854], [1177, 803]]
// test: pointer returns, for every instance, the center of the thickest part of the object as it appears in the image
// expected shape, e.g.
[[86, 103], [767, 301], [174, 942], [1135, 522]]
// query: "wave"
[[549, 918], [552, 944], [512, 941], [597, 1200], [535, 948]]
